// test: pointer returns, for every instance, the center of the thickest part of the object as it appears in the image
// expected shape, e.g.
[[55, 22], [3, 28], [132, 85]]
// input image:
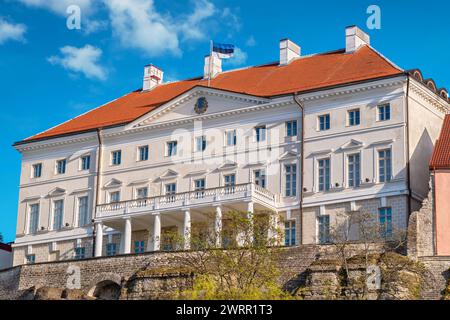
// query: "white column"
[[157, 232], [187, 230], [98, 239], [127, 237], [218, 227]]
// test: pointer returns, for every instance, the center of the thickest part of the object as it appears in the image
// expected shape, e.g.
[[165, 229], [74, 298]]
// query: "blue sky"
[[49, 74]]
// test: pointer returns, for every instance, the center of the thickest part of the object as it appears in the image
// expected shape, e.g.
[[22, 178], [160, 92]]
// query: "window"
[[61, 166], [385, 219], [139, 247], [291, 180], [142, 193], [83, 213], [111, 249], [231, 138], [385, 165], [289, 233], [354, 117], [291, 128], [260, 133], [34, 218], [324, 174], [324, 229], [324, 122], [384, 112], [30, 258], [143, 153], [58, 211], [116, 157], [80, 253], [37, 170], [199, 187], [200, 143], [171, 148], [354, 168], [260, 178], [230, 182], [114, 196], [171, 190], [85, 163]]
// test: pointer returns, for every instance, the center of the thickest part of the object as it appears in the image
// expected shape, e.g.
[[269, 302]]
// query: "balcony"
[[248, 192]]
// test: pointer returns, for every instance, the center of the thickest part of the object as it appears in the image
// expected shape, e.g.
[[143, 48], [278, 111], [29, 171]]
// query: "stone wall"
[[420, 230]]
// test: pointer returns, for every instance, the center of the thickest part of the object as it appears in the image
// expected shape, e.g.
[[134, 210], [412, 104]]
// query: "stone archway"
[[106, 290]]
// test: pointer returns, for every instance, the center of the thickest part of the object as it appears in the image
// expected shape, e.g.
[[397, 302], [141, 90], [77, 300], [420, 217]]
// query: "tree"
[[246, 268]]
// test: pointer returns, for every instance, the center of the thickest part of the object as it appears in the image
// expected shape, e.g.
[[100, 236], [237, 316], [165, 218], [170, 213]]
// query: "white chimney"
[[215, 64], [355, 38], [288, 51], [153, 76]]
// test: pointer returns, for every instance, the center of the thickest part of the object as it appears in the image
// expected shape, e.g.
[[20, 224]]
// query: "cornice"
[[431, 99], [50, 144]]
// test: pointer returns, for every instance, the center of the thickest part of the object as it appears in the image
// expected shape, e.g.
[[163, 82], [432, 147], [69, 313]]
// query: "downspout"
[[408, 166], [97, 185], [434, 216], [302, 149]]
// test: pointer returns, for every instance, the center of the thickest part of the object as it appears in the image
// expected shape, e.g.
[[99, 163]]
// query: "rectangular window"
[[324, 229], [260, 178], [61, 166], [231, 138], [384, 112], [230, 182], [385, 220], [111, 249], [142, 193], [385, 165], [354, 117], [291, 128], [289, 233], [199, 188], [324, 174], [291, 180], [85, 163], [34, 219], [260, 133], [201, 144], [171, 148], [114, 196], [354, 168], [37, 170], [143, 153], [83, 213], [171, 190], [139, 247], [80, 253], [324, 122], [58, 212], [116, 157], [30, 258]]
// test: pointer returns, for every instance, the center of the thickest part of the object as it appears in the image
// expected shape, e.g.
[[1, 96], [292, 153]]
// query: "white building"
[[308, 137], [6, 258]]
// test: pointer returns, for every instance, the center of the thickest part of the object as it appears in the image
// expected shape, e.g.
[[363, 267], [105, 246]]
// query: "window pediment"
[[352, 144], [56, 192], [113, 183]]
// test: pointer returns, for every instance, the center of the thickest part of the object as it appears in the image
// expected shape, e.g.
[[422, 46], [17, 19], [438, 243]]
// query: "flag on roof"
[[223, 51]]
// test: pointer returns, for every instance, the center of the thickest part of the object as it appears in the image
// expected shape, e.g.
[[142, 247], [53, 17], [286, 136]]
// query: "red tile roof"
[[306, 74], [441, 153]]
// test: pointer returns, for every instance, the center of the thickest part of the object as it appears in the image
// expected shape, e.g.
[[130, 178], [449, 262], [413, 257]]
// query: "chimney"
[[153, 76], [355, 38], [288, 51], [215, 65]]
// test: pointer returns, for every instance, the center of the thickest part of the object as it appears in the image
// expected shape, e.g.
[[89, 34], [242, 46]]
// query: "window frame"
[[356, 182], [30, 261], [356, 123], [319, 229], [290, 227], [174, 148], [116, 159], [293, 131], [233, 137], [108, 249], [391, 176], [79, 222], [326, 116], [143, 153], [30, 214], [80, 253], [140, 246], [292, 174], [202, 143], [64, 166], [327, 186], [33, 170], [386, 229], [260, 133], [262, 177], [54, 214], [381, 116], [83, 163]]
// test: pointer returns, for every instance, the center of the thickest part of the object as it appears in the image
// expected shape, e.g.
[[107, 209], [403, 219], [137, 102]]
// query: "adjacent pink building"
[[440, 169]]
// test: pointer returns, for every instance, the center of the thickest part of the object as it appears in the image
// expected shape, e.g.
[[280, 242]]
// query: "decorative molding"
[[383, 142], [138, 182], [288, 155], [428, 97], [84, 190], [32, 146], [351, 145], [168, 174], [56, 192], [227, 166], [113, 183]]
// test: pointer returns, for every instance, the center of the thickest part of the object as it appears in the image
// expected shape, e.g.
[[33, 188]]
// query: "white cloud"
[[10, 31], [60, 6], [81, 60], [138, 25], [239, 58], [193, 27]]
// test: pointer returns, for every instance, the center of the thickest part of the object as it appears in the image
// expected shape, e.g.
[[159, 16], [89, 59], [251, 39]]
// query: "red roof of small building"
[[305, 74], [441, 153]]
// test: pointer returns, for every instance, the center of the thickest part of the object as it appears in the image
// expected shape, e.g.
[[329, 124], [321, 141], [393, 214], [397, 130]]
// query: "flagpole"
[[210, 62]]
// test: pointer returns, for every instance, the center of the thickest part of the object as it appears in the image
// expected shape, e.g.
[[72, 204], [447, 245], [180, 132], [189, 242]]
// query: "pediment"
[[288, 155], [184, 107], [352, 144], [113, 183], [169, 174], [229, 165], [56, 192]]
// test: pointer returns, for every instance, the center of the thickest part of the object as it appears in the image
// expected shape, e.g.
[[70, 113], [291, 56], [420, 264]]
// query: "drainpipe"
[[97, 185], [302, 149], [408, 166]]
